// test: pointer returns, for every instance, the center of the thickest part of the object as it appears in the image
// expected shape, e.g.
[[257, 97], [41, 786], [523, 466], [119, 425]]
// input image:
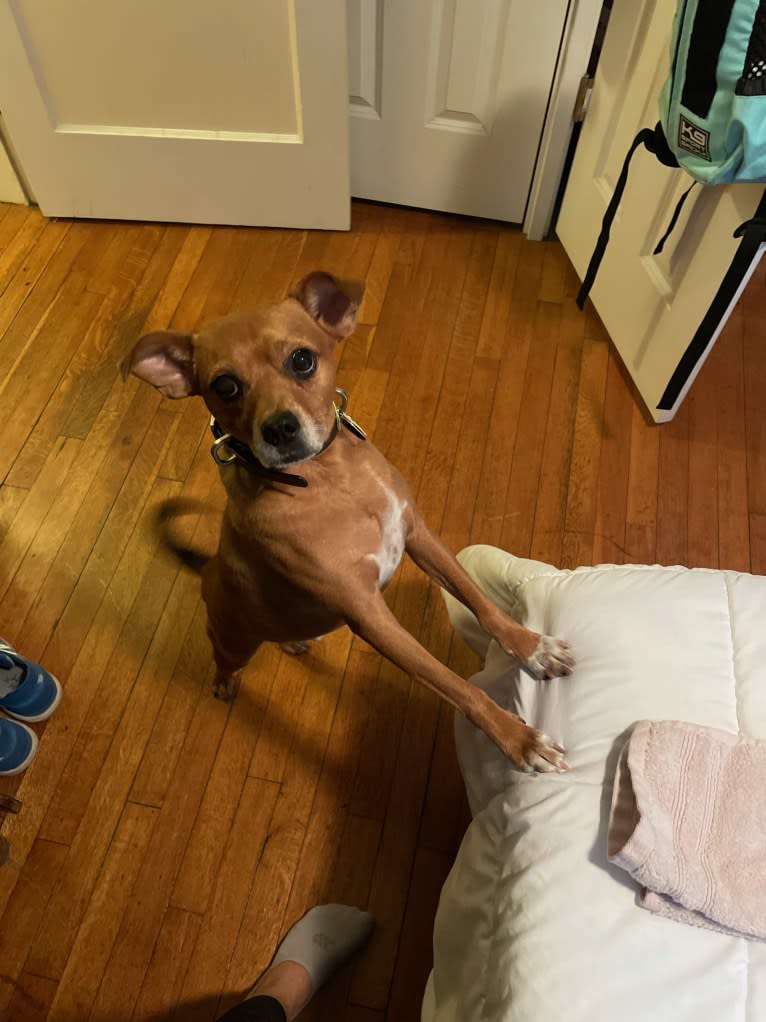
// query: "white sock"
[[324, 939]]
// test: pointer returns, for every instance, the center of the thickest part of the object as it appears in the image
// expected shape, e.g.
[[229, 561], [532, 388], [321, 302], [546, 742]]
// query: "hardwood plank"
[[173, 287], [405, 297], [79, 983], [550, 506], [457, 505], [347, 885], [218, 807], [32, 998], [13, 222], [444, 811], [417, 373], [238, 859], [34, 508], [161, 990], [15, 247], [95, 682], [381, 266], [92, 372], [453, 398], [284, 698], [554, 279], [165, 601], [270, 269], [579, 525], [614, 464], [11, 499], [758, 543], [521, 498], [141, 923], [42, 778], [39, 371], [702, 532], [22, 284], [754, 355], [642, 497], [264, 918], [25, 912], [23, 321], [726, 364], [412, 966], [387, 902], [673, 488], [317, 874], [503, 432], [190, 683], [501, 313], [82, 569]]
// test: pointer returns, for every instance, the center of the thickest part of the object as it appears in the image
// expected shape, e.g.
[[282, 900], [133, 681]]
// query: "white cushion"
[[534, 925]]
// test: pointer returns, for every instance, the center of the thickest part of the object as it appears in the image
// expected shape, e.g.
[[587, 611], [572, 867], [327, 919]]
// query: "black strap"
[[673, 220], [700, 70], [654, 140], [753, 234]]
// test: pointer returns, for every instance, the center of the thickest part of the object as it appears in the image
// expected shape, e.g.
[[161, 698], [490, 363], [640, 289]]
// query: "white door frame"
[[576, 45]]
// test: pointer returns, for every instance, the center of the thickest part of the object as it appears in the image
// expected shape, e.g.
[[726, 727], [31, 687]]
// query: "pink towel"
[[688, 822]]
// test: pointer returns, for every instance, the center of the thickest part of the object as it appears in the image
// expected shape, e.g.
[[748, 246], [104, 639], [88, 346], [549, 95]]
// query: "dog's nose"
[[280, 429]]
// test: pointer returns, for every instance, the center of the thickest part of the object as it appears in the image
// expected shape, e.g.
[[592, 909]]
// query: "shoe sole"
[[26, 718], [23, 766]]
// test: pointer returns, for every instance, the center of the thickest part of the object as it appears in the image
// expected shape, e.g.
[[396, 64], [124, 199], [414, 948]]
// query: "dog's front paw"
[[536, 752], [552, 658]]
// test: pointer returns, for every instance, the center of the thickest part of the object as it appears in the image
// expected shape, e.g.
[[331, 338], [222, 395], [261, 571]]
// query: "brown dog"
[[303, 552]]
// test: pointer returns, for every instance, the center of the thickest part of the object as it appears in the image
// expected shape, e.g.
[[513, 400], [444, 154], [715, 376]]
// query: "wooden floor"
[[166, 839]]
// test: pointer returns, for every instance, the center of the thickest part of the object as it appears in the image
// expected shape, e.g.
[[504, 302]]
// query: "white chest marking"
[[392, 540]]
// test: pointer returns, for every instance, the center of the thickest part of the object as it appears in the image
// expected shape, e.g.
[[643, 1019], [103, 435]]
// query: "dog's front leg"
[[542, 656], [529, 748]]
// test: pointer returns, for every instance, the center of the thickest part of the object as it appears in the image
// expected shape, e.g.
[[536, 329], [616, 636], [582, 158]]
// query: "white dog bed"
[[534, 925]]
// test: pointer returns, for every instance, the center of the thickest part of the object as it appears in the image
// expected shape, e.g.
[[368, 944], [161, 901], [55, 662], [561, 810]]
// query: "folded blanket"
[[688, 822]]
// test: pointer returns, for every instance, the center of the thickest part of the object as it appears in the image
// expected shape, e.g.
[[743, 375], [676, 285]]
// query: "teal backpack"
[[713, 126], [711, 105]]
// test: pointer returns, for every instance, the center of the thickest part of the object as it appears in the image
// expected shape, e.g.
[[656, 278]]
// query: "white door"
[[651, 306], [184, 110], [449, 99]]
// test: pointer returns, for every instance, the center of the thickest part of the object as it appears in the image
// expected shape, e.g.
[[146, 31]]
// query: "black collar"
[[227, 449]]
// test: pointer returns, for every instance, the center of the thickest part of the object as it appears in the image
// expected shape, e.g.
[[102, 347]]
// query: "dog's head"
[[267, 376]]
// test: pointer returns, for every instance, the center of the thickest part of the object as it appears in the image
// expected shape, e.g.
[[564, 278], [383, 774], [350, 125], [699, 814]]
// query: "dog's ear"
[[164, 358], [333, 303]]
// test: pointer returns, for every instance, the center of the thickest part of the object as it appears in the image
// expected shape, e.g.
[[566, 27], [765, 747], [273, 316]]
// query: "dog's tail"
[[164, 514]]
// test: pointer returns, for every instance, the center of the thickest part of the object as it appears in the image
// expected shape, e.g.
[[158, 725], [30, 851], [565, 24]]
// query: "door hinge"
[[583, 99]]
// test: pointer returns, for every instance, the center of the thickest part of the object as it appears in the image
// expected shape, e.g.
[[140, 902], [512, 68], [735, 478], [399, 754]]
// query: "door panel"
[[231, 112], [449, 99], [651, 305]]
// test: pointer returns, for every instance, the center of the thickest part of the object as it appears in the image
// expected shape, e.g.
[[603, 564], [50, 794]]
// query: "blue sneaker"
[[18, 746], [27, 691]]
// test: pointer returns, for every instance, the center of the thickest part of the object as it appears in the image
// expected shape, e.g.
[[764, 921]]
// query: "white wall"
[[10, 189]]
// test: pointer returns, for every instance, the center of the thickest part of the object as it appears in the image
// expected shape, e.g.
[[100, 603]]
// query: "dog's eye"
[[303, 362], [227, 387]]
